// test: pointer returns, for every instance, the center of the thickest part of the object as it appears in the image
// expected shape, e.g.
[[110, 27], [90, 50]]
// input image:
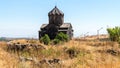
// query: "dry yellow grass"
[[7, 60], [92, 54]]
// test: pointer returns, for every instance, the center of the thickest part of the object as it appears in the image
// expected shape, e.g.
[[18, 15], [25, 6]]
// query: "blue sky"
[[23, 18]]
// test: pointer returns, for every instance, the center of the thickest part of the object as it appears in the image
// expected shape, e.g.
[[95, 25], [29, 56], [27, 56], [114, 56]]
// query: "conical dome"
[[55, 11]]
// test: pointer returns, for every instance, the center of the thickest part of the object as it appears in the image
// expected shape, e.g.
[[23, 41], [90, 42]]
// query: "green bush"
[[62, 37], [114, 34], [56, 41], [45, 39]]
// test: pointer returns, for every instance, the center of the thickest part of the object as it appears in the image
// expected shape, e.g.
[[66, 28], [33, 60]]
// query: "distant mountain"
[[3, 39], [9, 39]]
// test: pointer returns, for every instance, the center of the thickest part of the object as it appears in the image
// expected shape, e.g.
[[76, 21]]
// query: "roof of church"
[[64, 25], [55, 11]]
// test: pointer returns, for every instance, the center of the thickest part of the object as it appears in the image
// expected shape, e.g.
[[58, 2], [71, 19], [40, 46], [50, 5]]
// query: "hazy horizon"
[[23, 18]]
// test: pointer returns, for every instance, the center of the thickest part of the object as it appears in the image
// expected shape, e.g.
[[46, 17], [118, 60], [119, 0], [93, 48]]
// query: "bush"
[[114, 34], [62, 37], [56, 41], [45, 39], [72, 52]]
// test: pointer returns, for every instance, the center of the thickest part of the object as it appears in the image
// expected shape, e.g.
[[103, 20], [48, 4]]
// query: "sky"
[[23, 18]]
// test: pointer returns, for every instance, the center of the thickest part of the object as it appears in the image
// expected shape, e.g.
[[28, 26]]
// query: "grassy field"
[[77, 53]]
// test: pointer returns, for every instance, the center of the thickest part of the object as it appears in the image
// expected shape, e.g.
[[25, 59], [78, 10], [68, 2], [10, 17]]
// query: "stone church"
[[56, 25]]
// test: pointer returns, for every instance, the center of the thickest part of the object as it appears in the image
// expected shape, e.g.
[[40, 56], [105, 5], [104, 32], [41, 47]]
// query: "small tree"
[[114, 33], [45, 39]]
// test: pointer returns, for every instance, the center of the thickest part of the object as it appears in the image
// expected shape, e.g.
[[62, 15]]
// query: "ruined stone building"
[[56, 24]]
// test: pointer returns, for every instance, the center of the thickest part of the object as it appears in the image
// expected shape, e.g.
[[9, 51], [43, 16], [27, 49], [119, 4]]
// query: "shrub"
[[114, 33], [45, 39], [56, 41], [62, 37], [72, 52]]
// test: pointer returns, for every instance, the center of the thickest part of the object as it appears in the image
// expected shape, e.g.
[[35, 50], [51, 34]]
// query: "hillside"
[[77, 53]]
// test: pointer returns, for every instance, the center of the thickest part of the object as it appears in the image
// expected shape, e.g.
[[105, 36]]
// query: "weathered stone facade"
[[56, 25]]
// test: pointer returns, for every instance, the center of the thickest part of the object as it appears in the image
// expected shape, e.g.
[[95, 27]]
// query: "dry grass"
[[91, 54], [7, 60]]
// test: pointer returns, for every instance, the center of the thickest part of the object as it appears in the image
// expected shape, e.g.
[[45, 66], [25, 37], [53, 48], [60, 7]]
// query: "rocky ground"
[[88, 52]]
